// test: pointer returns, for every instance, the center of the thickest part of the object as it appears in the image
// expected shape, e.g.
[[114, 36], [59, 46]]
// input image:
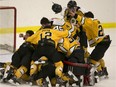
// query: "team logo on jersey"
[[73, 21]]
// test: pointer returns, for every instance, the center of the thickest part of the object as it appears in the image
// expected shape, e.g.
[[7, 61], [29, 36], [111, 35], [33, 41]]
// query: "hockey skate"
[[7, 73], [97, 76], [2, 71], [90, 78], [47, 82], [9, 76], [92, 75], [2, 65], [60, 82], [14, 80], [76, 80], [80, 80], [104, 73], [1, 74], [31, 81]]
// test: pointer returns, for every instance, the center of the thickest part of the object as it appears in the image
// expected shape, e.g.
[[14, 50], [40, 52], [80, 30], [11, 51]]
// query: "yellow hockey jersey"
[[67, 45], [68, 18], [70, 27], [93, 29], [59, 24], [48, 33]]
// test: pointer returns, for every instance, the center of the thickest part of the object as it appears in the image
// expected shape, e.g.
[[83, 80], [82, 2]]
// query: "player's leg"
[[104, 68], [77, 55], [25, 65], [55, 57], [97, 55], [10, 69], [16, 59], [100, 49], [42, 74]]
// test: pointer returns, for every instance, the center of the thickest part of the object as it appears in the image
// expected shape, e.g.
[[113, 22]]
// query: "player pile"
[[57, 55]]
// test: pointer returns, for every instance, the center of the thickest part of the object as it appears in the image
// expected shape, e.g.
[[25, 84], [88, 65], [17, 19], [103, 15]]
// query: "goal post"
[[7, 29]]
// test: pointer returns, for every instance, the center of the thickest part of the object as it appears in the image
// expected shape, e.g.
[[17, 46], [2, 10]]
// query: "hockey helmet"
[[44, 20], [56, 8], [71, 4], [89, 14], [30, 32]]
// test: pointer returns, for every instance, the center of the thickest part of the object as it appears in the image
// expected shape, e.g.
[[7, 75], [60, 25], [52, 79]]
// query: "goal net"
[[7, 29]]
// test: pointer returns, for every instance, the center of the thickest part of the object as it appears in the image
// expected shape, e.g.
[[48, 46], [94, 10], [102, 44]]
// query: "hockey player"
[[101, 70], [70, 47], [95, 36], [77, 32], [72, 5], [70, 15], [65, 42], [46, 40], [20, 63], [67, 45]]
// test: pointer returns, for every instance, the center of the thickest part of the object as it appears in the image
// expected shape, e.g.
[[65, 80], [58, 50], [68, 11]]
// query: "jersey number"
[[100, 32], [46, 36]]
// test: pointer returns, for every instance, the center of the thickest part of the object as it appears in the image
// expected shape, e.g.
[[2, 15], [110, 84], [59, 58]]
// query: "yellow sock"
[[102, 63], [21, 71], [96, 63], [33, 68]]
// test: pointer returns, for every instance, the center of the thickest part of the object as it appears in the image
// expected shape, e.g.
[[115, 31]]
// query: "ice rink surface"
[[110, 60]]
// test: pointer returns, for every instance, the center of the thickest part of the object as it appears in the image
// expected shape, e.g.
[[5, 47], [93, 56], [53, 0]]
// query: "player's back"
[[49, 34]]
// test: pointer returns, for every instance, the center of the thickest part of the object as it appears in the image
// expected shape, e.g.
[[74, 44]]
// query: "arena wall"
[[29, 12]]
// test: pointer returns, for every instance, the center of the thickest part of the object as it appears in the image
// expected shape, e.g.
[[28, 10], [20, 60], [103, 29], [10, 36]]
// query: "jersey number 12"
[[47, 35]]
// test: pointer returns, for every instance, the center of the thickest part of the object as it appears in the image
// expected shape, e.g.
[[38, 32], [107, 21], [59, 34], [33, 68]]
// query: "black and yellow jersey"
[[67, 45], [70, 27], [92, 27], [68, 18], [48, 33], [61, 25]]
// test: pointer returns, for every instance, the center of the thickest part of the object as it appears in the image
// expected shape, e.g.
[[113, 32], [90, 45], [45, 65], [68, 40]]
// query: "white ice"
[[109, 60]]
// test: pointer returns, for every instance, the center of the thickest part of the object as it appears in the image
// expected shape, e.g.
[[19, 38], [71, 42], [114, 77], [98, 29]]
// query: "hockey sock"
[[102, 63], [59, 68], [97, 64], [21, 71], [33, 69]]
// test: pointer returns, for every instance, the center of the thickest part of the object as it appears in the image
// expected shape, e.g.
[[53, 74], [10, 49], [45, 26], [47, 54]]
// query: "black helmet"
[[44, 20], [56, 8], [30, 32], [71, 4], [89, 14]]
